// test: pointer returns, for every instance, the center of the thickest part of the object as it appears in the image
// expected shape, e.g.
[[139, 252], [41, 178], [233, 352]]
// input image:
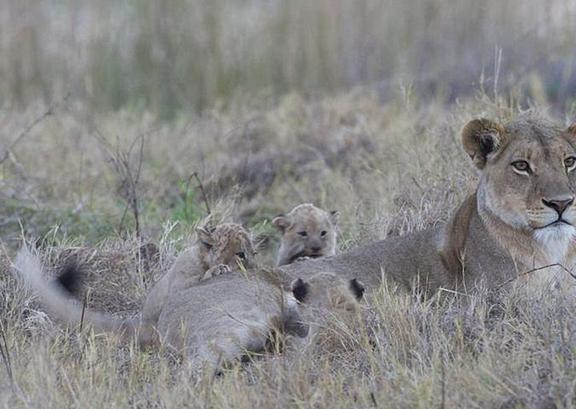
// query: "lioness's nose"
[[559, 204]]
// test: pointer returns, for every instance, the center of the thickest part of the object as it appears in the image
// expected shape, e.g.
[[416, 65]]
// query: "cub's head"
[[227, 243], [329, 293], [528, 176], [307, 231]]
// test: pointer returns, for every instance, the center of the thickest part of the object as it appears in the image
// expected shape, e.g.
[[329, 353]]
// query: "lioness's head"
[[528, 177], [307, 231], [227, 243]]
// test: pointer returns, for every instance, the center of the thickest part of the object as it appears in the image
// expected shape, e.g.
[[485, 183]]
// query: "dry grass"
[[389, 168]]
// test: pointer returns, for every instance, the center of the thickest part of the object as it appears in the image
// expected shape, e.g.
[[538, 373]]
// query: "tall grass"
[[189, 54], [233, 78]]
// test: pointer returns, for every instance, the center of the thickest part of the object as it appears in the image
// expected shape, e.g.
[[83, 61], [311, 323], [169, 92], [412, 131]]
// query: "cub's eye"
[[323, 233], [570, 163], [521, 166], [303, 233], [241, 255]]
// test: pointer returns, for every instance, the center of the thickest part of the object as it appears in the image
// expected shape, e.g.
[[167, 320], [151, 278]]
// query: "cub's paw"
[[303, 258], [216, 271]]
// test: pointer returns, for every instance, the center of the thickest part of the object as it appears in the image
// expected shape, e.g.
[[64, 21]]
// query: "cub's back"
[[232, 302]]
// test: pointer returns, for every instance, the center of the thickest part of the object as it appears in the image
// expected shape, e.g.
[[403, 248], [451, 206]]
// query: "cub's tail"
[[57, 298]]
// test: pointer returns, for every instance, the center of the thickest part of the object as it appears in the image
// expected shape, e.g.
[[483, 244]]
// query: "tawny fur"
[[307, 232], [504, 229], [217, 251], [216, 321]]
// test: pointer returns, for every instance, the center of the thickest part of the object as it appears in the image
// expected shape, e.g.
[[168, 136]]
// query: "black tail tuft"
[[71, 277]]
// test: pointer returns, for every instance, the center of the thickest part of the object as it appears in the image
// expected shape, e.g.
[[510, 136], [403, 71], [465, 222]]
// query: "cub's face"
[[228, 244], [307, 231], [528, 177], [328, 293]]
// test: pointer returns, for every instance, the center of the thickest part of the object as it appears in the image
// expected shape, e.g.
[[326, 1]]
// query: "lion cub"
[[218, 321], [217, 251], [214, 322], [307, 232]]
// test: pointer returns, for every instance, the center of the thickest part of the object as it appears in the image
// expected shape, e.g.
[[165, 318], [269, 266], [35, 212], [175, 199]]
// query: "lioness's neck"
[[518, 243]]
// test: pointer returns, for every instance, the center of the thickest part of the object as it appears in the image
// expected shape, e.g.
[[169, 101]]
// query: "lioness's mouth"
[[556, 223]]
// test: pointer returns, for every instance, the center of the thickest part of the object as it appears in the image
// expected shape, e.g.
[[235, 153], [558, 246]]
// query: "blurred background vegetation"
[[171, 55], [109, 108]]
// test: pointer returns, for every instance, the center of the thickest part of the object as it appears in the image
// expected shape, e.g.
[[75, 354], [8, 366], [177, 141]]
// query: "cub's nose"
[[559, 204], [316, 249]]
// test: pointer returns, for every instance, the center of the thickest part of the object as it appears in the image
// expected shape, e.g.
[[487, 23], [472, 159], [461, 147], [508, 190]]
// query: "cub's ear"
[[281, 222], [334, 217], [572, 130], [300, 289], [357, 288], [481, 138], [205, 236]]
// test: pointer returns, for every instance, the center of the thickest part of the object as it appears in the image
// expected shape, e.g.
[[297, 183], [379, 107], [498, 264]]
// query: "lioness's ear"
[[300, 289], [357, 288], [481, 138], [281, 222], [334, 217], [205, 236]]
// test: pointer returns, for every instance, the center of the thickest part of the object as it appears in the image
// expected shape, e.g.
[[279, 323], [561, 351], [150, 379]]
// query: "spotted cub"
[[217, 251]]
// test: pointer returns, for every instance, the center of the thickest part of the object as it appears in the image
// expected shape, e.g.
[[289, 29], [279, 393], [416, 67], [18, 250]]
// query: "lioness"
[[307, 232], [215, 321], [521, 217]]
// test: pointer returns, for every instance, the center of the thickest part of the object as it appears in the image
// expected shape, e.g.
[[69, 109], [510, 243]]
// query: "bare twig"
[[373, 399], [127, 165], [84, 303], [204, 197], [5, 354], [442, 385], [25, 132], [185, 197], [538, 269], [123, 164]]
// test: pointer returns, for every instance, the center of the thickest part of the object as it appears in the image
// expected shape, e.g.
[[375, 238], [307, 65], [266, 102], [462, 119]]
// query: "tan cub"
[[307, 232], [218, 250], [216, 321]]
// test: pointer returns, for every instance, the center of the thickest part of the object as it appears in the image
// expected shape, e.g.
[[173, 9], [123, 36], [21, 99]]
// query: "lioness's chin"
[[555, 232]]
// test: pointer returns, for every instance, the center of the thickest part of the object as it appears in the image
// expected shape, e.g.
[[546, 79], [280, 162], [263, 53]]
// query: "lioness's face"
[[528, 173], [228, 244]]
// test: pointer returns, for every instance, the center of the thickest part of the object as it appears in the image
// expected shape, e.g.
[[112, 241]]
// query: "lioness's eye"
[[323, 233], [570, 163], [303, 233], [521, 166]]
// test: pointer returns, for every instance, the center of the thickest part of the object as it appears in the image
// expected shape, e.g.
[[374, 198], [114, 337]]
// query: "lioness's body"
[[418, 259], [521, 217]]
